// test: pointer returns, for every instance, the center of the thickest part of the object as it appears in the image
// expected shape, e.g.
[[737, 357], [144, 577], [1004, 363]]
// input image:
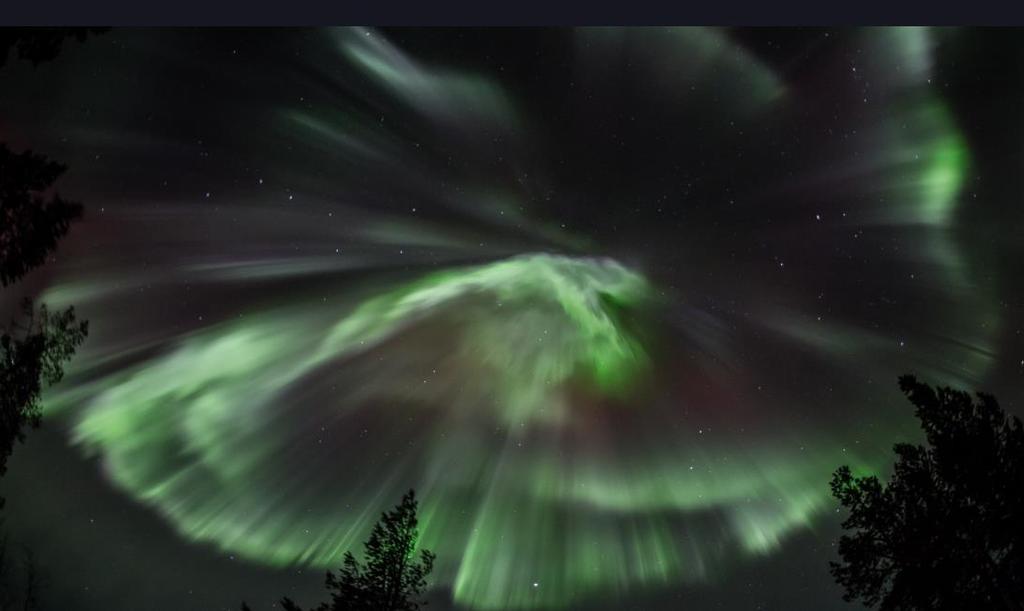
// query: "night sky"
[[614, 302]]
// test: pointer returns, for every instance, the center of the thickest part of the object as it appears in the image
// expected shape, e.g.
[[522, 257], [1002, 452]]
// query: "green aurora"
[[569, 435], [192, 433]]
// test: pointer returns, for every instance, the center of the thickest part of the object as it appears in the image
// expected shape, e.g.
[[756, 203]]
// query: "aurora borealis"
[[615, 302]]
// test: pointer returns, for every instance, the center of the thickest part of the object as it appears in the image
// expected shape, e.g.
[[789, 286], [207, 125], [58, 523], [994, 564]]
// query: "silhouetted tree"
[[32, 353], [15, 595], [33, 582], [39, 44], [947, 530], [30, 223], [34, 348], [390, 578], [8, 594]]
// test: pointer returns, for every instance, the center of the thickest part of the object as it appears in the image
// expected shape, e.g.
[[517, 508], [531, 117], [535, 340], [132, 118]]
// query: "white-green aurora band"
[[522, 396], [468, 382]]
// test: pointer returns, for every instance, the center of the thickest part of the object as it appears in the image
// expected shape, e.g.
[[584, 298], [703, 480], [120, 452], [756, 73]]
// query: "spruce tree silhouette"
[[390, 578], [947, 530]]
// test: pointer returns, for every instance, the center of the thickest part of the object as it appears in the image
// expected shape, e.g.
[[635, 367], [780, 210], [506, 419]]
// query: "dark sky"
[[615, 302]]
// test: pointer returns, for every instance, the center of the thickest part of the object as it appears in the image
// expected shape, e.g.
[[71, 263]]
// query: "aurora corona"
[[591, 361]]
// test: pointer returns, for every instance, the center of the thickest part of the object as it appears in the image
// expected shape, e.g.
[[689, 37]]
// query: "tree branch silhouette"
[[946, 531]]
